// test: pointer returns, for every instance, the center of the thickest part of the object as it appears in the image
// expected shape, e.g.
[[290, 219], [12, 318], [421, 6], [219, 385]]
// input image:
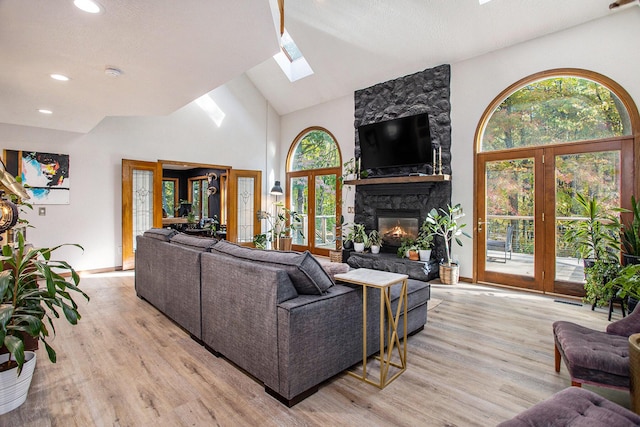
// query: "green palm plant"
[[596, 235], [631, 231], [33, 287]]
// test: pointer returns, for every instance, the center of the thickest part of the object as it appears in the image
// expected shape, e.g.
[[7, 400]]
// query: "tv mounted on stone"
[[405, 141]]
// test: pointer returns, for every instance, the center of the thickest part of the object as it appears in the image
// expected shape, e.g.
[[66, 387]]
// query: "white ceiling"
[[172, 52]]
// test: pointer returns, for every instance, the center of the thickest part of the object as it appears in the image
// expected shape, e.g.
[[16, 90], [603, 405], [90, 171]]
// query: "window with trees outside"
[[545, 140], [313, 168]]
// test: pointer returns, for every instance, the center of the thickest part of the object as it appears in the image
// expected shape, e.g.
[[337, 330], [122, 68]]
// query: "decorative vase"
[[449, 274], [347, 244], [375, 249], [14, 388], [359, 247], [284, 243], [425, 254], [414, 255]]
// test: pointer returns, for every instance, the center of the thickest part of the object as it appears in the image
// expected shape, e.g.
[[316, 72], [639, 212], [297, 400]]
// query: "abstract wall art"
[[46, 177]]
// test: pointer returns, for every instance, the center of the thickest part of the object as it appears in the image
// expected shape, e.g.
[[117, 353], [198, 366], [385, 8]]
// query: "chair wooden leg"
[[558, 358]]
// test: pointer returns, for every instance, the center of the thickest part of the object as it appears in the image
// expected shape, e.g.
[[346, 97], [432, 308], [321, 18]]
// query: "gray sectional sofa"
[[277, 315]]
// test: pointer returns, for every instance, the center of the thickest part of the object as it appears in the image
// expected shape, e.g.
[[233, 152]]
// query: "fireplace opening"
[[397, 225]]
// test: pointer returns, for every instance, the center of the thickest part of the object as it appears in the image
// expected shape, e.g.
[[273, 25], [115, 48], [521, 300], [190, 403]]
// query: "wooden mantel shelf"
[[399, 179]]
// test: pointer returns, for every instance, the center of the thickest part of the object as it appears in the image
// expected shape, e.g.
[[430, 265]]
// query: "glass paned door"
[[507, 220], [299, 202], [596, 175], [325, 211]]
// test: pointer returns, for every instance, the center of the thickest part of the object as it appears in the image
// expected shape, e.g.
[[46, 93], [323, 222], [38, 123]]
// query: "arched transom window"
[[555, 110], [315, 149]]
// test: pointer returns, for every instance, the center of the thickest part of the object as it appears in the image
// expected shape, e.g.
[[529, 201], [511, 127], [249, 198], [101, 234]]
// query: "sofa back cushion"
[[163, 234], [193, 242], [306, 273]]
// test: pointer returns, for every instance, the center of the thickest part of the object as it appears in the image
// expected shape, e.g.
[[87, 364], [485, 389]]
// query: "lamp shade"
[[276, 190]]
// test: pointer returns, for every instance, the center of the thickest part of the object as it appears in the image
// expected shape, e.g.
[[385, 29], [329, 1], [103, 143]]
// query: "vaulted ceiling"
[[172, 52]]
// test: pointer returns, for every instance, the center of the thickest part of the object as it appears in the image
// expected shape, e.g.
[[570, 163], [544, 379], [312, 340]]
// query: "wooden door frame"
[[128, 166], [232, 222], [311, 174]]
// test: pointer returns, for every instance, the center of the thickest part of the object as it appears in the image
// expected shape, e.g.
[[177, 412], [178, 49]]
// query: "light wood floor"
[[484, 355]]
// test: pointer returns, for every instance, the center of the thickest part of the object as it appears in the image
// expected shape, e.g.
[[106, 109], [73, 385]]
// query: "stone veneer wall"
[[425, 91]]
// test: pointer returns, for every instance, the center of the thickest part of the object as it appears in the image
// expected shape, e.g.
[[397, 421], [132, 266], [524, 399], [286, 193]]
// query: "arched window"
[[540, 143], [313, 169], [555, 110]]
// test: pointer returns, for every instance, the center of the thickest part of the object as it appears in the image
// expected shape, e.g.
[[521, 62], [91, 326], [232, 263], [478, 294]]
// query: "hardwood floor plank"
[[485, 355]]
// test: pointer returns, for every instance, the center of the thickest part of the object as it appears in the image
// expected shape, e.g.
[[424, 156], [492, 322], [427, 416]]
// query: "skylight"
[[291, 60], [290, 48]]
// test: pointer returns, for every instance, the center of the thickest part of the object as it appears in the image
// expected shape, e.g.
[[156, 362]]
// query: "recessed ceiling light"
[[45, 111], [88, 6], [60, 77]]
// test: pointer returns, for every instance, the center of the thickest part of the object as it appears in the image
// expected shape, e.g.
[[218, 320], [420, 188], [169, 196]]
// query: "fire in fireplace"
[[396, 225]]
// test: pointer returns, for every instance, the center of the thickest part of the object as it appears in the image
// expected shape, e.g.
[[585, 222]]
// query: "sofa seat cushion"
[[306, 273], [575, 407], [590, 350], [163, 234], [193, 242]]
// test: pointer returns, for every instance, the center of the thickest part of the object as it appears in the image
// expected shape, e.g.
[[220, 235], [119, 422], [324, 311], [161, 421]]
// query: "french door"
[[525, 201], [141, 204], [314, 195]]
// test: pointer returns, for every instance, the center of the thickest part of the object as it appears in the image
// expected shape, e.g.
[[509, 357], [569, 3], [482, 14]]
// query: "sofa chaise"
[[277, 315]]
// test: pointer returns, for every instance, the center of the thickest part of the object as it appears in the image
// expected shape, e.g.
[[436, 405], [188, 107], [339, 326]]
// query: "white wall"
[[245, 140], [607, 46]]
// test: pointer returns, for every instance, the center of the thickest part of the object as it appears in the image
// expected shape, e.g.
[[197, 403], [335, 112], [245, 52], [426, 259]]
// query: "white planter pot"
[[359, 247], [14, 388], [375, 249], [425, 254]]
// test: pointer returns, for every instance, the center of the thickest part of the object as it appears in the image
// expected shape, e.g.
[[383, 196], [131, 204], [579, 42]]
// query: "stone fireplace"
[[426, 91], [396, 225]]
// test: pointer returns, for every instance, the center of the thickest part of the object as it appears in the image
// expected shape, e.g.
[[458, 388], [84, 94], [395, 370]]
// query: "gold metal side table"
[[383, 281]]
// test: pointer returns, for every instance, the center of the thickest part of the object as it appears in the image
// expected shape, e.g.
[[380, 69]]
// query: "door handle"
[[480, 222]]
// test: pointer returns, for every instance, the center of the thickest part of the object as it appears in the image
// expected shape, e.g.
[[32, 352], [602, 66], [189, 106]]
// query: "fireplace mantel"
[[399, 179]]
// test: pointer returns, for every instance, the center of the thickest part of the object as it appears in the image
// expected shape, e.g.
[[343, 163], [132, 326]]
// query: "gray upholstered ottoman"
[[575, 407]]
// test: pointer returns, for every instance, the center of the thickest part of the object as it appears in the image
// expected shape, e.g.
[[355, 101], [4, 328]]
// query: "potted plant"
[[595, 235], [444, 223], [358, 235], [597, 275], [349, 170], [425, 242], [375, 241], [33, 291], [626, 284], [408, 249], [281, 226], [630, 235], [260, 241]]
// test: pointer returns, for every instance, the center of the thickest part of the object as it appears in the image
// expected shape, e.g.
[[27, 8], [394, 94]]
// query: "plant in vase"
[[626, 284], [358, 235], [408, 249], [32, 290], [445, 223], [630, 234], [425, 242], [349, 170], [282, 226], [595, 237], [375, 241]]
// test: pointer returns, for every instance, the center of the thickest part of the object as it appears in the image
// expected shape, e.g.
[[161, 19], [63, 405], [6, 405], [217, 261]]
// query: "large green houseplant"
[[34, 289], [595, 236], [630, 234], [446, 224]]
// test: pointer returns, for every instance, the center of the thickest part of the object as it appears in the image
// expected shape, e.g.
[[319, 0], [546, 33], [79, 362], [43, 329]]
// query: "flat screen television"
[[405, 141]]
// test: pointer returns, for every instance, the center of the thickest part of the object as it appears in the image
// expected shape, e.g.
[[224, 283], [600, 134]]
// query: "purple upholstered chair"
[[596, 357]]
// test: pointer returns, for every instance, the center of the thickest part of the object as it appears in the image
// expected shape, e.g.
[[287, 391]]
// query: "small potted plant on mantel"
[[32, 289], [375, 241], [358, 235], [425, 242], [444, 223]]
